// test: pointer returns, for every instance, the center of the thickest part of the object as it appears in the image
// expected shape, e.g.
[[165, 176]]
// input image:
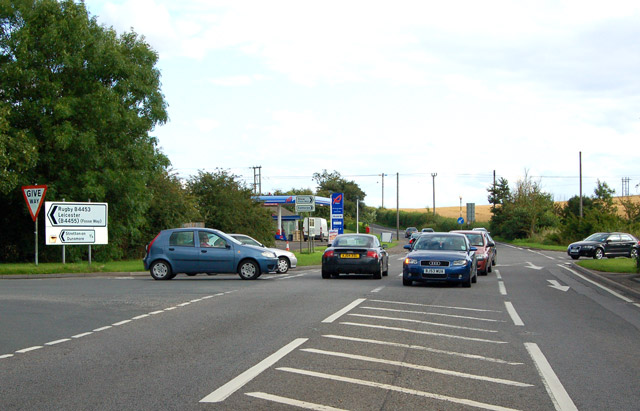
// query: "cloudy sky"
[[457, 88]]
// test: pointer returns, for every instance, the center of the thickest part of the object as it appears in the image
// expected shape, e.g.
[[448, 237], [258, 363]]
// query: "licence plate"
[[434, 270], [349, 255]]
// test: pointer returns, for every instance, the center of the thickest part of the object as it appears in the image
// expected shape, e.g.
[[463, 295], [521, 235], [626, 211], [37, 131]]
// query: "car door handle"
[[203, 251], [171, 249]]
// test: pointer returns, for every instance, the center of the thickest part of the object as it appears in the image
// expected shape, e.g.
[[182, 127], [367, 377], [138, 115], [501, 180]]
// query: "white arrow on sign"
[[535, 267], [555, 284]]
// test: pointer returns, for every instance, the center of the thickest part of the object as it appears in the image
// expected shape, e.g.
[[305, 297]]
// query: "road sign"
[[77, 214], [460, 220], [305, 203], [34, 195], [337, 211], [76, 223]]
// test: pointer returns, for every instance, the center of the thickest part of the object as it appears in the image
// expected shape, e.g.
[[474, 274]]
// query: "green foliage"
[[77, 102], [225, 204], [388, 218], [334, 183]]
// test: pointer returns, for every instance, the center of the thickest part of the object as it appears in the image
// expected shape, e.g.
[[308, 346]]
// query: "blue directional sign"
[[337, 212], [460, 220]]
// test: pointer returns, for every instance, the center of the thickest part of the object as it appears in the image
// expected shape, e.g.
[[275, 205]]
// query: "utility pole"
[[433, 176], [257, 180], [580, 162], [382, 189], [494, 191], [398, 206]]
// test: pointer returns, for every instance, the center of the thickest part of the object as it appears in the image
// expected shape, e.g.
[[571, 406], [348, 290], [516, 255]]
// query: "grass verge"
[[82, 267], [610, 265]]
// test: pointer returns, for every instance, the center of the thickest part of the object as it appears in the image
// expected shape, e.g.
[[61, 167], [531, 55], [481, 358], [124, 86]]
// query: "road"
[[533, 335]]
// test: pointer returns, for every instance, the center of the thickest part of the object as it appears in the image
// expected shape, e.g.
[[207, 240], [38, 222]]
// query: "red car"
[[486, 249]]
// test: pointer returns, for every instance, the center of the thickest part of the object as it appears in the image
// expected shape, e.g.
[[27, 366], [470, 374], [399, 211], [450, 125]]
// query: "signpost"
[[33, 195], [337, 212], [76, 223], [306, 203]]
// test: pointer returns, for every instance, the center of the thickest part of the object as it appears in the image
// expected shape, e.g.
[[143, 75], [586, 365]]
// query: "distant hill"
[[483, 212]]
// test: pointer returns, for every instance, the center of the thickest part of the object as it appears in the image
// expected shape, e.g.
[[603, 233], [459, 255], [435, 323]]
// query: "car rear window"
[[475, 239], [353, 241], [182, 239]]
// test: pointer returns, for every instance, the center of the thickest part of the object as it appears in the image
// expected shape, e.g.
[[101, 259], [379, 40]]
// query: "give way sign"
[[34, 195]]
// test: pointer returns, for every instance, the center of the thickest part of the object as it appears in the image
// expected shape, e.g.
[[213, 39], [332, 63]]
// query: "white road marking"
[[436, 306], [102, 328], [377, 289], [235, 384], [423, 348], [140, 316], [558, 394], [620, 296], [435, 314], [58, 341], [290, 401], [24, 350], [6, 356], [121, 322], [82, 335], [345, 310], [533, 266], [408, 330], [555, 284], [514, 315], [184, 304], [395, 388], [401, 258], [158, 312], [636, 304], [290, 276], [502, 288], [170, 308], [196, 300], [418, 367], [498, 276], [408, 320]]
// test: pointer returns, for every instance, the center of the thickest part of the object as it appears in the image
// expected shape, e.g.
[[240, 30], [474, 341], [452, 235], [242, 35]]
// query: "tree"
[[334, 183], [226, 204], [77, 103]]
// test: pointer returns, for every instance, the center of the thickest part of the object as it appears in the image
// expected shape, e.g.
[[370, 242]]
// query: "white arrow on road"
[[555, 284], [535, 267]]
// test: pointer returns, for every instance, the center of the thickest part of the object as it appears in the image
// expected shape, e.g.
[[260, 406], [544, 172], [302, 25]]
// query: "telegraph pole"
[[257, 180], [580, 158], [398, 206], [433, 176]]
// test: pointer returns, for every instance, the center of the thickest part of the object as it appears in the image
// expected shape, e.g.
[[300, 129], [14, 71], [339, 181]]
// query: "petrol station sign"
[[337, 212]]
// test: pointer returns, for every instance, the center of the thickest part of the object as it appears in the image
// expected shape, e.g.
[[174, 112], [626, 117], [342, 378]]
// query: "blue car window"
[[182, 239]]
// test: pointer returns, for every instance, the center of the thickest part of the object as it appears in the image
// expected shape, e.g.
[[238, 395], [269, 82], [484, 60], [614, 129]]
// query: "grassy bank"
[[610, 265]]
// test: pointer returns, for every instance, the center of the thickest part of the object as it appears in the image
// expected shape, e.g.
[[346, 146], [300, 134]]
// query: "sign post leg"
[[36, 232]]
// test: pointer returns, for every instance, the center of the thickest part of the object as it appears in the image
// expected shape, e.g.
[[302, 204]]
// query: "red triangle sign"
[[34, 195]]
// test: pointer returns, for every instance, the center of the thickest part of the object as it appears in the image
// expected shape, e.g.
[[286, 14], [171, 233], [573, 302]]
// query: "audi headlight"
[[410, 261], [587, 247], [460, 262]]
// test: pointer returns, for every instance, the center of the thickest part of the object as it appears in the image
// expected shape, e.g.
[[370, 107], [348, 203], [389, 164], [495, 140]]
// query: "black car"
[[409, 231], [600, 245], [355, 254]]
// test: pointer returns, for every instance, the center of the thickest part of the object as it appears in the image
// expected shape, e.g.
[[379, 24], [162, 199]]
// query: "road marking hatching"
[[409, 330], [345, 310], [291, 401], [620, 296], [552, 384], [238, 382]]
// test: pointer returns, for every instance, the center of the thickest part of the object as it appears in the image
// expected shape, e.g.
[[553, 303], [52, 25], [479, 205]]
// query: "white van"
[[316, 227]]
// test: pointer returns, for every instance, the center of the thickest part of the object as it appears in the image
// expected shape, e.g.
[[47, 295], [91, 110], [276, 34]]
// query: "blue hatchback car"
[[204, 250], [441, 257]]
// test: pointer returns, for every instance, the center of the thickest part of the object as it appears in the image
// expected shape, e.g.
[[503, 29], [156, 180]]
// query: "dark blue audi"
[[440, 257]]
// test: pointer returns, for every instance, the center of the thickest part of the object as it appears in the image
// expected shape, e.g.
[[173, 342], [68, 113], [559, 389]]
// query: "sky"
[[405, 88]]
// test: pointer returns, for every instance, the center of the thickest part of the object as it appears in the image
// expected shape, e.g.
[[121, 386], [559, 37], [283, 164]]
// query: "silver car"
[[286, 259]]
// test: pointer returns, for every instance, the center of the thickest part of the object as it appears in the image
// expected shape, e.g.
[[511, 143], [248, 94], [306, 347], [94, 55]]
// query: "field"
[[483, 212]]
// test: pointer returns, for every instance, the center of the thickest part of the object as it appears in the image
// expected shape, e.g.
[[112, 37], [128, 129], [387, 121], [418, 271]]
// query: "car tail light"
[[372, 254], [328, 253], [151, 243]]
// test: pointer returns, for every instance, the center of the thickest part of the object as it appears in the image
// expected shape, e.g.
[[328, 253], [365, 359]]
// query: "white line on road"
[[458, 327], [235, 384], [620, 296], [417, 367], [58, 341], [81, 335], [290, 276], [376, 290], [408, 330], [395, 388], [466, 317], [345, 310], [121, 322], [498, 276], [6, 356], [290, 401], [102, 328], [140, 316], [423, 348], [24, 350], [514, 315], [159, 311], [558, 394], [502, 288], [436, 306]]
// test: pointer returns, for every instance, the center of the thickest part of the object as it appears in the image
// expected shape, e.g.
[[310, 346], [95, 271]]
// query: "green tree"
[[77, 105], [226, 204], [334, 183]]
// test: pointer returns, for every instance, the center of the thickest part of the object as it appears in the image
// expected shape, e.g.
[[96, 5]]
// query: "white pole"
[[357, 216]]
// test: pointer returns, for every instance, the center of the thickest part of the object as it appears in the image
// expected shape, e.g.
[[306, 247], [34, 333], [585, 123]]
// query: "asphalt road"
[[534, 334]]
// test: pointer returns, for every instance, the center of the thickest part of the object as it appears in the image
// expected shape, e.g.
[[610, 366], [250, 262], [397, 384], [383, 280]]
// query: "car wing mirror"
[[492, 244], [408, 247], [473, 248], [328, 245]]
